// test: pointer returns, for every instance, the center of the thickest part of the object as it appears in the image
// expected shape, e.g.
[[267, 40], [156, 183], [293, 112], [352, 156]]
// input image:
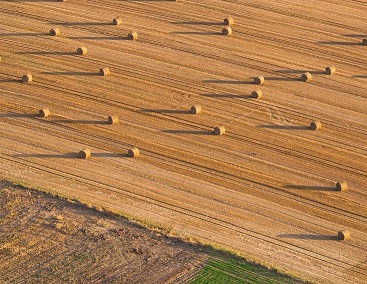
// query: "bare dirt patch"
[[44, 239]]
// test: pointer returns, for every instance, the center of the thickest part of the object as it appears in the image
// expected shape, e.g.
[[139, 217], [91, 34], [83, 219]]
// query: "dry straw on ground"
[[343, 235], [55, 32], [27, 78], [330, 70], [219, 130], [306, 77], [228, 21], [259, 80], [81, 51], [45, 112], [196, 109], [227, 31], [117, 21], [132, 36], [315, 125], [113, 119], [257, 94], [104, 71], [133, 152], [84, 154], [342, 186]]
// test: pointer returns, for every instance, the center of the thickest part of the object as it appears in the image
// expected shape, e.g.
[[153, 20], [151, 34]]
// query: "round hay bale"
[[257, 94], [104, 71], [364, 41], [132, 36], [81, 51], [84, 154], [55, 32], [45, 112], [219, 130], [343, 235], [330, 70], [196, 109], [117, 21], [315, 125], [259, 80], [227, 31], [306, 77], [228, 21], [27, 78], [113, 119], [133, 152], [341, 186]]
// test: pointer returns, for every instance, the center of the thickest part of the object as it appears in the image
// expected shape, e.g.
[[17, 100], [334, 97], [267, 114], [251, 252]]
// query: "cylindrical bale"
[[196, 109], [343, 235], [84, 154], [55, 32], [113, 119], [330, 70], [342, 186], [257, 94], [227, 31], [364, 41], [315, 125], [306, 77], [132, 36], [228, 21], [81, 51], [133, 152], [117, 21], [259, 80], [219, 130], [27, 78], [104, 71], [45, 112]]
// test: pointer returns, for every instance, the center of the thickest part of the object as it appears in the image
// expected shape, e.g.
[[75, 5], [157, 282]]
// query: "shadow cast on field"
[[70, 73], [81, 23], [195, 132], [339, 43], [99, 37], [234, 82], [286, 127], [199, 23], [308, 237], [360, 76], [11, 80], [23, 34], [19, 115], [229, 96], [294, 71], [281, 79], [80, 121], [311, 187], [170, 111], [47, 53], [197, 33], [72, 155]]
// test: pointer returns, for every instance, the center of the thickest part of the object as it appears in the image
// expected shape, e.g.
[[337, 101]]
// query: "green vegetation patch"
[[228, 269]]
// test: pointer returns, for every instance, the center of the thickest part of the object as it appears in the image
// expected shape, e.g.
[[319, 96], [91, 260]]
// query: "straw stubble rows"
[[265, 189]]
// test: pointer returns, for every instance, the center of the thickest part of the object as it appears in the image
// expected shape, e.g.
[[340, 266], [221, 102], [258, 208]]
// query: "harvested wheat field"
[[265, 189]]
